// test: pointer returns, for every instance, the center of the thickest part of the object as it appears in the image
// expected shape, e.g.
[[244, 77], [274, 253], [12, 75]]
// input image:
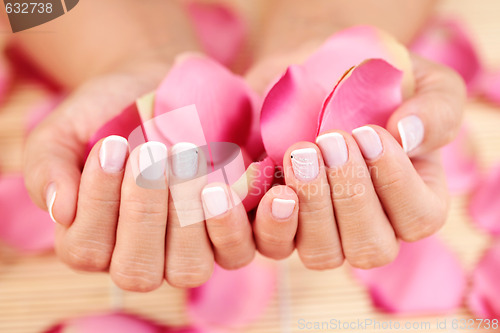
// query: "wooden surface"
[[36, 292]]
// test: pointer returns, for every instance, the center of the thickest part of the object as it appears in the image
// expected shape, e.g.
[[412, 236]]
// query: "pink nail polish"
[[282, 208], [411, 131], [305, 163], [368, 141], [215, 200], [113, 153], [333, 148]]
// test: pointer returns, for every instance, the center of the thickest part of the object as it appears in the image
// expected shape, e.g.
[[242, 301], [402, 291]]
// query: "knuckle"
[[373, 253], [136, 273], [236, 262], [227, 241], [144, 211], [274, 240], [136, 281], [321, 259], [193, 273], [422, 226], [86, 256]]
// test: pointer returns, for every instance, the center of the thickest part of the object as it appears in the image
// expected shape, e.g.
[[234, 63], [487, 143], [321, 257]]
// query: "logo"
[[26, 14]]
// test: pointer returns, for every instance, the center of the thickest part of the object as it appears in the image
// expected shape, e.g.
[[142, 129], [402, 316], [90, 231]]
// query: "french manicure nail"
[[305, 163], [411, 131], [215, 200], [153, 160], [184, 160], [113, 153], [282, 208], [369, 142], [333, 148], [51, 198]]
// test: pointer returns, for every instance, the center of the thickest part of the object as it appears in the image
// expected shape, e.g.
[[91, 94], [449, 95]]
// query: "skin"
[[105, 222]]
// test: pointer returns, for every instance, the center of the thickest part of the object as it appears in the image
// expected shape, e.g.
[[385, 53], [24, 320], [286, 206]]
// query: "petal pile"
[[232, 298], [338, 87], [446, 41], [485, 202], [484, 297], [22, 224], [425, 278]]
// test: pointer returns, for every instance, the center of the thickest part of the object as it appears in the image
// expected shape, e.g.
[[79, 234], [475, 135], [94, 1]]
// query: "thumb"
[[432, 117], [52, 168]]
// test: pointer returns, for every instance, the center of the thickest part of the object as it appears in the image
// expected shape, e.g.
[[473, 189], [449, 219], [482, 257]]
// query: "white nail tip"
[[333, 148], [215, 200], [305, 163], [113, 153], [411, 131], [184, 160], [153, 160], [51, 198], [368, 141]]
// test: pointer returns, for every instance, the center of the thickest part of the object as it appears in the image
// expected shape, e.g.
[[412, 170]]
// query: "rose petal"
[[352, 46], [223, 100], [220, 30], [460, 164], [257, 179], [116, 322], [22, 224], [232, 298], [489, 86], [446, 41], [290, 112], [484, 205], [484, 297], [368, 94], [425, 278]]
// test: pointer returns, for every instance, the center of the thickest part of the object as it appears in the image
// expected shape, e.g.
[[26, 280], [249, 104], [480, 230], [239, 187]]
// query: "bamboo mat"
[[36, 292]]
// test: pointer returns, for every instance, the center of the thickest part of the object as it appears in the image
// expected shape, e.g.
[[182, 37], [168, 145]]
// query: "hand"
[[105, 221], [358, 194]]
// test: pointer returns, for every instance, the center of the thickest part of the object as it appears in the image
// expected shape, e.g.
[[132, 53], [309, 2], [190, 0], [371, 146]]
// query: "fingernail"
[[215, 200], [282, 208], [51, 198], [411, 131], [153, 160], [369, 142], [113, 153], [333, 148], [305, 163], [185, 160]]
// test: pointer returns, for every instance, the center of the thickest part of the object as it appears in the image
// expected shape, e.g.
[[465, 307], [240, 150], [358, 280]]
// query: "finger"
[[317, 239], [415, 209], [138, 258], [368, 239], [88, 243], [189, 255], [276, 222], [432, 117], [228, 227], [52, 170]]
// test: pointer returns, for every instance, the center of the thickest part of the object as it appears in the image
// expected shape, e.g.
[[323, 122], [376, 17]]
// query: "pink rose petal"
[[349, 48], [484, 297], [116, 323], [426, 278], [446, 41], [290, 112], [368, 94], [489, 86], [484, 205], [223, 100], [221, 31], [232, 298], [22, 224], [460, 164]]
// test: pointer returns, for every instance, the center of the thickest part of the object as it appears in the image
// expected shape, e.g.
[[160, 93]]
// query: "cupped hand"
[[353, 196], [106, 219]]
